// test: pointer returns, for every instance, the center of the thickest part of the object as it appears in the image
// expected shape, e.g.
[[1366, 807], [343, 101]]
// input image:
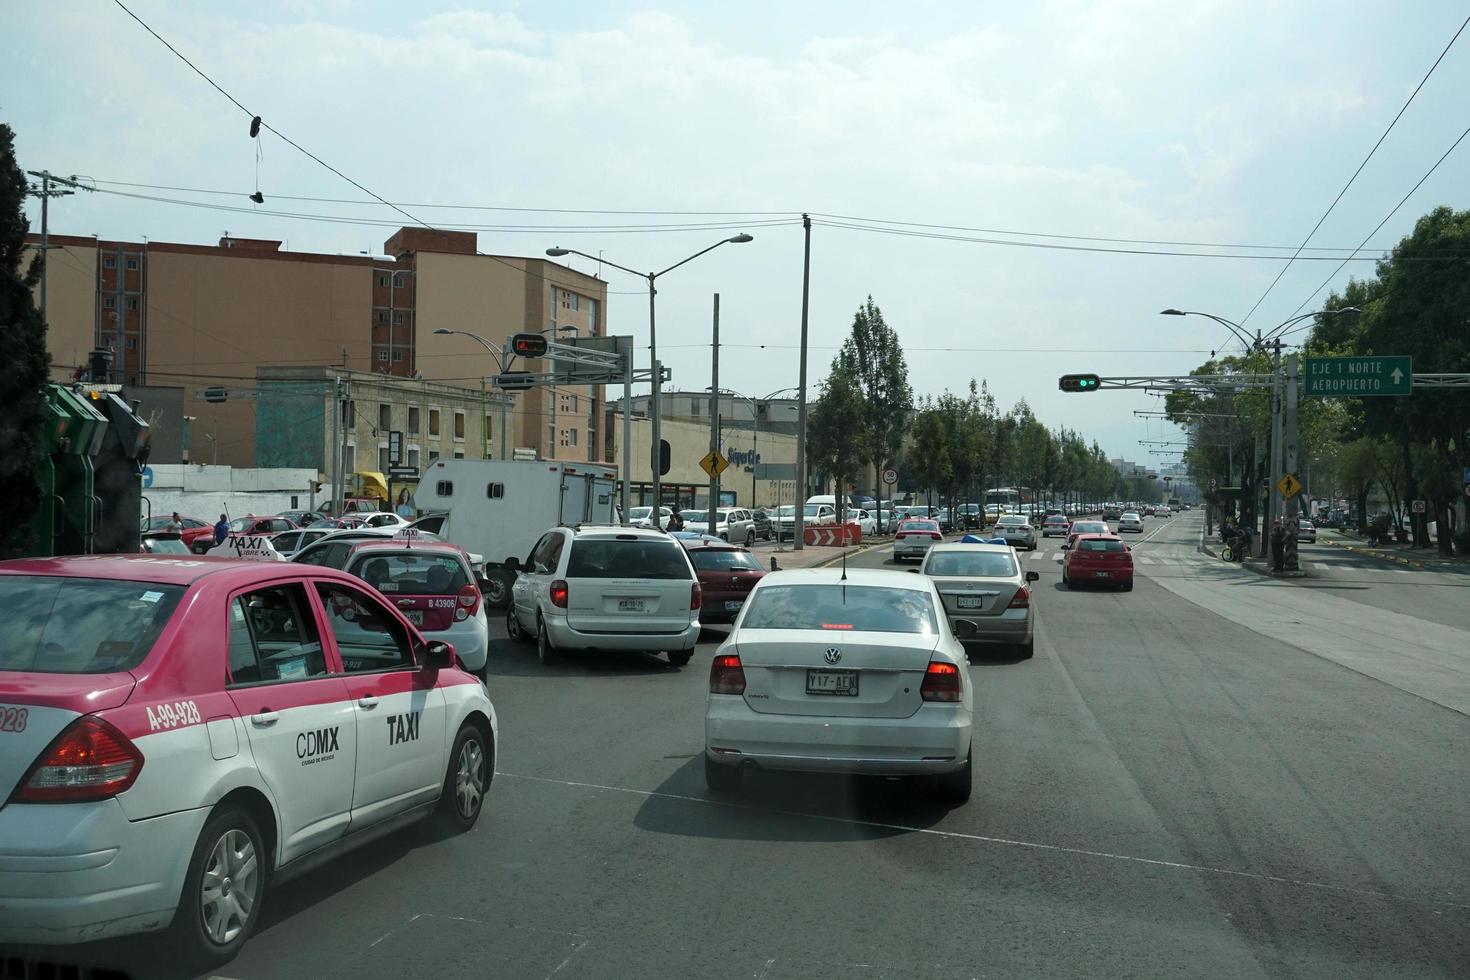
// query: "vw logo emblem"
[[833, 655]]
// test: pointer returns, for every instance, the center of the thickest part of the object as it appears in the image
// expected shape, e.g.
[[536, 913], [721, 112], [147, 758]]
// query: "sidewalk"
[[810, 556], [1210, 545], [1403, 554]]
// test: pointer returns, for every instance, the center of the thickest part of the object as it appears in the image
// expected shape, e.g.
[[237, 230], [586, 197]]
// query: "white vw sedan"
[[831, 672]]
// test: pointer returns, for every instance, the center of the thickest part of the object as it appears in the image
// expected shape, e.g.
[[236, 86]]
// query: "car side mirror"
[[1033, 576], [513, 563], [914, 570], [438, 654]]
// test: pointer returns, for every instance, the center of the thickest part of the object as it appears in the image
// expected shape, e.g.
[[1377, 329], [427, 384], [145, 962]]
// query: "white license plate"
[[1101, 574], [843, 682], [415, 616], [970, 602], [733, 605], [630, 605]]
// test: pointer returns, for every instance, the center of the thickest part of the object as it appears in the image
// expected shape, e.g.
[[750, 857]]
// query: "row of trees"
[[1396, 448], [952, 447]]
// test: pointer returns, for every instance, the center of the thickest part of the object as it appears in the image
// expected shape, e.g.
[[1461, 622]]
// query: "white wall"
[[204, 492]]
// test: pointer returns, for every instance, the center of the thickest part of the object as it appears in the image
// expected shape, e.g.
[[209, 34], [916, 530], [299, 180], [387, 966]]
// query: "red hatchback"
[[726, 576], [1098, 559]]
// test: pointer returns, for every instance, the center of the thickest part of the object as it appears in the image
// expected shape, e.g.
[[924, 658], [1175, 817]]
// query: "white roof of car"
[[970, 548], [855, 576]]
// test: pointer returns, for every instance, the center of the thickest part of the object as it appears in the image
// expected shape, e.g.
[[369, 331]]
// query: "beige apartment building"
[[202, 319]]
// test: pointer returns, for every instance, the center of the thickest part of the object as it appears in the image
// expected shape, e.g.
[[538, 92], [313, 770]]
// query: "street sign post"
[[890, 476], [713, 463], [1420, 507], [1289, 486], [403, 472], [1359, 377], [515, 380], [395, 448]]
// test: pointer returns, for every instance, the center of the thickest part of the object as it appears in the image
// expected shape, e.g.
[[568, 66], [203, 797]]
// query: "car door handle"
[[265, 719], [367, 702]]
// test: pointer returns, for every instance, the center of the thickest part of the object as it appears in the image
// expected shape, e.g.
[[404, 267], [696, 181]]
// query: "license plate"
[[970, 602], [1101, 574], [832, 682], [630, 605], [733, 605], [415, 616]]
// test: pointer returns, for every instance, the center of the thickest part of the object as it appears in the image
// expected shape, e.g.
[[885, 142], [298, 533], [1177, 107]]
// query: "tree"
[[928, 457], [835, 415], [873, 354], [27, 364]]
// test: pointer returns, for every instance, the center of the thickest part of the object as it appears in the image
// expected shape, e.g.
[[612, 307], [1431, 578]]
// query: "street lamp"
[[755, 425], [503, 363], [558, 252]]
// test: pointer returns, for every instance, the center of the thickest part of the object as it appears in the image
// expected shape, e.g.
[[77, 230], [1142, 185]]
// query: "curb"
[[1373, 554], [829, 562]]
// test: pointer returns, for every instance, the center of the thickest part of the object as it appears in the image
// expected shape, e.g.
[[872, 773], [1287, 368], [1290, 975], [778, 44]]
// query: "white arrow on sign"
[[1398, 376]]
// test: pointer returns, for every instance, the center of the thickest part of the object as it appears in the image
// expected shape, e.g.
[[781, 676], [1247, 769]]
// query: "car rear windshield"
[[841, 607], [1089, 527], [604, 558], [411, 572], [723, 559], [920, 526], [1013, 522], [979, 564], [1101, 545], [58, 625]]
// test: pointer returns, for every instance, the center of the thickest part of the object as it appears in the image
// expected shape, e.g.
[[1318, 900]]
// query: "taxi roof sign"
[[251, 547]]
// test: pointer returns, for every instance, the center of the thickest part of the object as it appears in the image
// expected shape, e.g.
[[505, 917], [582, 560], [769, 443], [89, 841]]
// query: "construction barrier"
[[833, 535]]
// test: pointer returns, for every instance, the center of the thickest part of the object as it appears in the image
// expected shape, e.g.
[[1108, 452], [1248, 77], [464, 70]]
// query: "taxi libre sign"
[[250, 546]]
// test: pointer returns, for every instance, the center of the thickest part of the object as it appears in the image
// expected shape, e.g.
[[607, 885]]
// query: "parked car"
[[606, 588], [1017, 531], [301, 518], [847, 671], [726, 575], [985, 594], [191, 530], [433, 586], [164, 543], [764, 531], [866, 522], [813, 515], [914, 538], [1097, 559], [643, 516], [1306, 531], [730, 524], [287, 543]]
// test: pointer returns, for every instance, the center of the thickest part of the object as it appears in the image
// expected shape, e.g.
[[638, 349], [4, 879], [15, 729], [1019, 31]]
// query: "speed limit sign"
[[890, 476]]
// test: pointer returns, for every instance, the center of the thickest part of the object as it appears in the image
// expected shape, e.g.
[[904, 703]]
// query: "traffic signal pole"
[[1290, 446]]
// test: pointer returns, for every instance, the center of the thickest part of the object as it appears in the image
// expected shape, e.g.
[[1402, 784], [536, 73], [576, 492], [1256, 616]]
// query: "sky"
[[1226, 123]]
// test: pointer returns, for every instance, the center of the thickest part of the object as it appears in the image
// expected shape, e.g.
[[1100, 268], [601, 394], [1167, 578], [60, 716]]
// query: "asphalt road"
[[1163, 790]]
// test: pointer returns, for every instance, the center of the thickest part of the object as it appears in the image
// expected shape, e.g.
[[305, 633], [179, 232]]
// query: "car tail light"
[[726, 676], [1021, 600], [469, 603], [89, 761], [942, 682], [696, 597], [559, 593], [936, 535], [901, 535]]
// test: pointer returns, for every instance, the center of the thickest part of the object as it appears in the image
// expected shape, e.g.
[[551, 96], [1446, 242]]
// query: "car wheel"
[[497, 588], [955, 787], [722, 779], [678, 658], [513, 625], [223, 888], [471, 767], [1128, 586], [1028, 649], [545, 650], [749, 539]]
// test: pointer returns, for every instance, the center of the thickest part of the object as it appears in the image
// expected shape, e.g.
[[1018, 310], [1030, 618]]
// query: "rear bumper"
[[1080, 575], [935, 739], [904, 549], [1008, 627], [471, 640], [567, 638], [712, 608], [83, 871]]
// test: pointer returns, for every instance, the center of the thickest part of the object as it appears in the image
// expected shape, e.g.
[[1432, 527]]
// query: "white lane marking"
[[1003, 841], [1145, 559]]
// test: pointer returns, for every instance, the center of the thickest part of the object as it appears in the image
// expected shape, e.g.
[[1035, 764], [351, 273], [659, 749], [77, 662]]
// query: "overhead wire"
[[1356, 172]]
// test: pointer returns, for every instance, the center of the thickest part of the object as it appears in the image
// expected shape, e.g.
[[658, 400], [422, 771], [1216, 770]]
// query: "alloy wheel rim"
[[469, 778], [229, 887]]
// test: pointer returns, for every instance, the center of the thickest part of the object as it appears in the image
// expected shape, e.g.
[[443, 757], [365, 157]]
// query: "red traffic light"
[[1079, 382], [528, 345]]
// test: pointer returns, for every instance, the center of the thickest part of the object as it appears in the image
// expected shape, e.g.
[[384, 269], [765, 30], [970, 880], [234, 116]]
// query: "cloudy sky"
[[1232, 124]]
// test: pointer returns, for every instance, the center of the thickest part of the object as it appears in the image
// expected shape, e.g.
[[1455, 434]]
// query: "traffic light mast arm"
[[1184, 382]]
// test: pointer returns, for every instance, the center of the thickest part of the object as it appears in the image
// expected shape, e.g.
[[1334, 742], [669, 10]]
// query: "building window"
[[592, 318], [349, 458], [397, 317], [413, 420], [382, 317], [459, 425], [573, 402], [132, 343], [385, 417], [489, 430], [132, 265], [132, 302], [571, 437], [433, 455], [382, 355], [109, 302], [413, 458], [397, 356], [695, 404], [459, 454], [383, 281], [433, 421], [108, 262], [382, 459], [576, 301], [349, 415]]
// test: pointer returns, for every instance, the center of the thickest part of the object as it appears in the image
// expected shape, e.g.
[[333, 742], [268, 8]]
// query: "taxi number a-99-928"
[[13, 719], [173, 714]]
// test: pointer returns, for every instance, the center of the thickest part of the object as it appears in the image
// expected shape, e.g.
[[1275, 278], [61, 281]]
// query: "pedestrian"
[[676, 520], [222, 529], [1278, 546], [405, 509], [175, 523]]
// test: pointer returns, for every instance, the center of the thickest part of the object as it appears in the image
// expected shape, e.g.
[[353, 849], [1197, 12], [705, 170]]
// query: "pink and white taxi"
[[176, 732]]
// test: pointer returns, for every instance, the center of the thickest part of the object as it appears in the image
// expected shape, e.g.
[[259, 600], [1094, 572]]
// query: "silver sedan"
[[1017, 531], [985, 594]]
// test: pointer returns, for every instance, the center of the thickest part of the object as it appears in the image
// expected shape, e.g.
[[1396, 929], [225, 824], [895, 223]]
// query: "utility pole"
[[120, 361], [1273, 509], [45, 193], [654, 455], [1289, 521], [627, 430], [336, 443], [798, 524], [714, 420]]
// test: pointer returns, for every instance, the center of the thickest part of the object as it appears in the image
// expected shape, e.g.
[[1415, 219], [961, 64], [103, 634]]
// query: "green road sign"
[[1359, 377]]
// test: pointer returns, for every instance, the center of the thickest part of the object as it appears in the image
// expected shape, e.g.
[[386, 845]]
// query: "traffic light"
[[665, 457], [1079, 382], [528, 345]]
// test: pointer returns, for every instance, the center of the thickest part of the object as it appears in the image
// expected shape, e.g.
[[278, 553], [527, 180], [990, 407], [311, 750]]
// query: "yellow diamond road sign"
[[713, 463], [1289, 486]]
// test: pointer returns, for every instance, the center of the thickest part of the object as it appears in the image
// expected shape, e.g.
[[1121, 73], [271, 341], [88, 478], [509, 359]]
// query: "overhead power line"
[[1354, 177]]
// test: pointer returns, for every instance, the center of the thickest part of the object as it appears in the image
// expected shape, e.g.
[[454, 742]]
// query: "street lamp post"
[[652, 278], [502, 362], [755, 426]]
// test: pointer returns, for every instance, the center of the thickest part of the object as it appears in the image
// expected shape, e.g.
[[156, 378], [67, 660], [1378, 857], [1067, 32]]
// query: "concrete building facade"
[[770, 458]]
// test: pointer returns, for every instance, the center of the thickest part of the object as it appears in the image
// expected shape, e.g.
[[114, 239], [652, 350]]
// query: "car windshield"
[[242, 523], [80, 625], [812, 510], [786, 510], [702, 516], [841, 608], [639, 513], [613, 558], [410, 572], [724, 559], [972, 564]]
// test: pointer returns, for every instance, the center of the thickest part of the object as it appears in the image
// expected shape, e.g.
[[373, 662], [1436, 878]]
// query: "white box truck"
[[499, 508]]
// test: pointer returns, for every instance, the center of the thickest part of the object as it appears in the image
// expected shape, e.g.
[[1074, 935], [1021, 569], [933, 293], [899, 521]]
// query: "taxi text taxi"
[[177, 732]]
